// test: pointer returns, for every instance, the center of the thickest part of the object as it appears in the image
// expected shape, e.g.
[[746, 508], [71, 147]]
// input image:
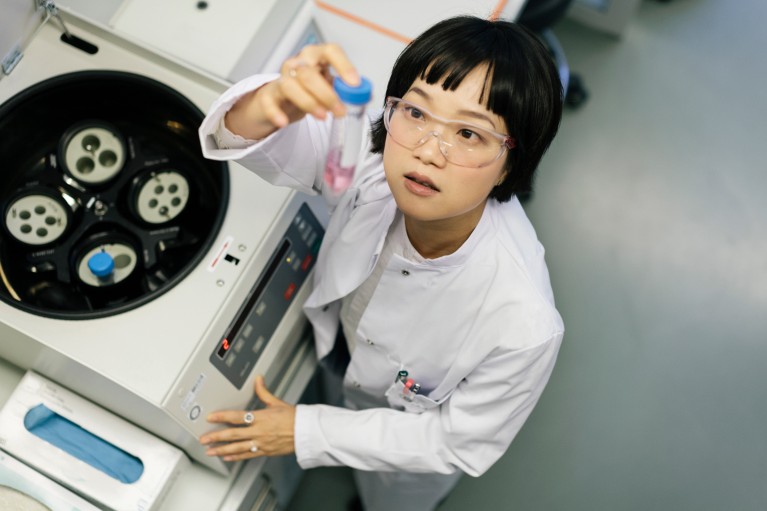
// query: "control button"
[[258, 344], [195, 412], [260, 308], [307, 261]]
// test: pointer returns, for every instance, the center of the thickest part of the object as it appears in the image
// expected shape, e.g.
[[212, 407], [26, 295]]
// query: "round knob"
[[101, 264]]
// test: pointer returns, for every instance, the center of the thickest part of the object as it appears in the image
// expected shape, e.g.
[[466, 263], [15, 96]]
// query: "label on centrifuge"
[[191, 396], [221, 253]]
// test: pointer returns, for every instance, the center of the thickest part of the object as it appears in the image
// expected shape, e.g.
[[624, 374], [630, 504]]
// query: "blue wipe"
[[44, 423]]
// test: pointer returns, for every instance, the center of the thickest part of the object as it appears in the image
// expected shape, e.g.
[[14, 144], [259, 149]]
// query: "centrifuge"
[[134, 272]]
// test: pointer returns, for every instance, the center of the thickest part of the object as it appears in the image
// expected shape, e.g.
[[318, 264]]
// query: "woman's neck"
[[437, 238]]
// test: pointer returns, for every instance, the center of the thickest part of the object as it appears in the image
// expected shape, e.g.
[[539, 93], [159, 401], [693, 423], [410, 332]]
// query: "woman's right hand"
[[304, 87]]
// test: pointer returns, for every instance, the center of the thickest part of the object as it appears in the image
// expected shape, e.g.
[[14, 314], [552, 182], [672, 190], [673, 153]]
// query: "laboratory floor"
[[650, 206]]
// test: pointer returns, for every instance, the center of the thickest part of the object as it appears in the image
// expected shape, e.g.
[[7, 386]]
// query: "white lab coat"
[[477, 328]]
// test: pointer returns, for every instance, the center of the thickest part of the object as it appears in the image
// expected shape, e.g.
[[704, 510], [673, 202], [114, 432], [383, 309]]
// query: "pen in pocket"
[[409, 387]]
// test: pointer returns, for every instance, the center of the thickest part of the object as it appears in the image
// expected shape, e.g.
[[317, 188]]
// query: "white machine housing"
[[152, 364]]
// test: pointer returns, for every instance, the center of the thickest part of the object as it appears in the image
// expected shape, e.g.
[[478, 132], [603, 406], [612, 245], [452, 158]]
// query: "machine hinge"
[[52, 9], [10, 60]]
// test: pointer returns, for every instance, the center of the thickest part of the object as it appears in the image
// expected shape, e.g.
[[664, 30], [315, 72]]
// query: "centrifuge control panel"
[[274, 291]]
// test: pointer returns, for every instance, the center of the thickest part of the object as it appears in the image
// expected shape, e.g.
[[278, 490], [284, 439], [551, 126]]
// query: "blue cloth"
[[44, 423]]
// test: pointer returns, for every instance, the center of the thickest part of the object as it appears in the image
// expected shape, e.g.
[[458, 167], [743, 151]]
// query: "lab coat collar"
[[469, 247], [341, 269]]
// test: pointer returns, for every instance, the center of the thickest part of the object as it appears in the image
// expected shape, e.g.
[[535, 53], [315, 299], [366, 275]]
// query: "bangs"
[[447, 58], [451, 73]]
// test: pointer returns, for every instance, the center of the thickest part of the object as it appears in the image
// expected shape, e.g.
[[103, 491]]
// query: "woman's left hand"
[[265, 432]]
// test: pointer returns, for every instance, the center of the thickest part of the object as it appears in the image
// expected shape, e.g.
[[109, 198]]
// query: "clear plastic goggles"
[[461, 143]]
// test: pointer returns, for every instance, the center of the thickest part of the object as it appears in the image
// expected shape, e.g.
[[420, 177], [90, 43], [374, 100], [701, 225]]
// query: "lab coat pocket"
[[402, 398]]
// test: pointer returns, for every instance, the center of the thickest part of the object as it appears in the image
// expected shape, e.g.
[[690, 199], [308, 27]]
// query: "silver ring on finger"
[[253, 446], [248, 418]]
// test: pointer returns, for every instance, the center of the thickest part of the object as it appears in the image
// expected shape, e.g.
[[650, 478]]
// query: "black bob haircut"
[[525, 88]]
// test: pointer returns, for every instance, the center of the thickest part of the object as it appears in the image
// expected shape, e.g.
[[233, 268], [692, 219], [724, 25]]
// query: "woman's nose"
[[431, 152]]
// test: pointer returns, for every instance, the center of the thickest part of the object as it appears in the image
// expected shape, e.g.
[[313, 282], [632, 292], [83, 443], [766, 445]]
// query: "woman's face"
[[425, 185]]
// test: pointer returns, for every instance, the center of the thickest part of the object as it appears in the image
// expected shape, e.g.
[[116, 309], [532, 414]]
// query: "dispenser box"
[[18, 477], [87, 449]]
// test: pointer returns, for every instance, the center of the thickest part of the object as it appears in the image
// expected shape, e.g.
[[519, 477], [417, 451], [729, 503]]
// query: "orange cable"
[[498, 9], [494, 15], [365, 23]]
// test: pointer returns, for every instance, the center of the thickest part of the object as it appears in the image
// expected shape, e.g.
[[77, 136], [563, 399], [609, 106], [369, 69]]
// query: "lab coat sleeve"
[[291, 157], [469, 431]]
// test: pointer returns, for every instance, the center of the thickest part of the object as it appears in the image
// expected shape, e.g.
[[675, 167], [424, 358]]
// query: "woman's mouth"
[[420, 184]]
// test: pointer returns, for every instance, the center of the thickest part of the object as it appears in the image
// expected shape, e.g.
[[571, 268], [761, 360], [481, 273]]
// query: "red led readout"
[[224, 348], [289, 291]]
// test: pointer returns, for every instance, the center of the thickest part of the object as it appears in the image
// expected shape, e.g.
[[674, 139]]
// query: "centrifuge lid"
[[19, 21]]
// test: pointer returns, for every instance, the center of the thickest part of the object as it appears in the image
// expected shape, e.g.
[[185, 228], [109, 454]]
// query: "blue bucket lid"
[[101, 264], [358, 95]]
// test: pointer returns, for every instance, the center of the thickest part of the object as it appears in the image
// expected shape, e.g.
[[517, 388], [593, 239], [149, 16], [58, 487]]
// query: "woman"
[[429, 266]]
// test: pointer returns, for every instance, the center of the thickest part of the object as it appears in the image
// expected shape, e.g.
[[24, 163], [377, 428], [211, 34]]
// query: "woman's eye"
[[413, 112], [469, 135]]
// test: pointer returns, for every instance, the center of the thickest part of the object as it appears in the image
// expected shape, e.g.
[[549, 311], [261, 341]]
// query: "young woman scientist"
[[429, 264]]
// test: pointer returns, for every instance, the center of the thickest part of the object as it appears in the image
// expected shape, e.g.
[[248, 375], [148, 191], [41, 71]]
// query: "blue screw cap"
[[352, 95], [101, 264]]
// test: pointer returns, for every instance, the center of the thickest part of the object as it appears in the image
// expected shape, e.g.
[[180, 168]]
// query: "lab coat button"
[[405, 273], [356, 384], [369, 342]]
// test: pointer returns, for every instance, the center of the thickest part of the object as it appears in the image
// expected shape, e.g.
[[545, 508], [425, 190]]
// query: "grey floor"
[[650, 206]]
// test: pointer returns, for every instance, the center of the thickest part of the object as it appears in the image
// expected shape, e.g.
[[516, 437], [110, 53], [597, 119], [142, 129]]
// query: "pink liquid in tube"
[[338, 177], [346, 135]]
